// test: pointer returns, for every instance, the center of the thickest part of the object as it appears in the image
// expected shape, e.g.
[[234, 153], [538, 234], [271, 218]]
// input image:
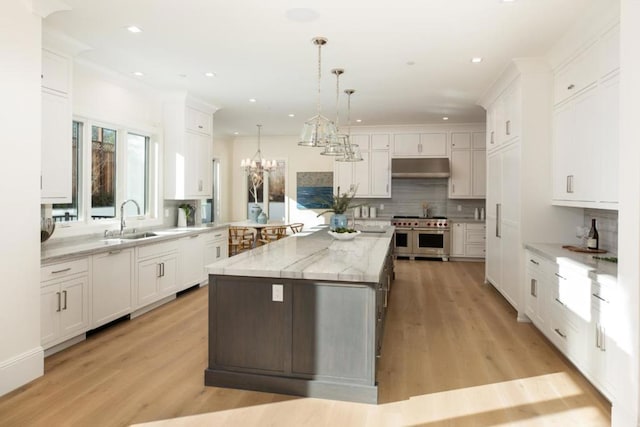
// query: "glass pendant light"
[[336, 147], [351, 151], [318, 131]]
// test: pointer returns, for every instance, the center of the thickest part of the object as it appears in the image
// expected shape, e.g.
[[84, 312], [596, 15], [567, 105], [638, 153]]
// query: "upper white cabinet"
[[468, 165], [585, 133], [503, 118], [372, 175], [188, 147], [420, 145], [56, 120]]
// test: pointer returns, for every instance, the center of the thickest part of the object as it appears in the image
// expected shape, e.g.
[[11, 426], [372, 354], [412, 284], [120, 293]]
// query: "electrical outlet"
[[166, 213], [459, 208], [277, 293], [381, 206]]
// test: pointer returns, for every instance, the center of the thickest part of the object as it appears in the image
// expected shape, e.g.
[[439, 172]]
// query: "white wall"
[[21, 357], [625, 408]]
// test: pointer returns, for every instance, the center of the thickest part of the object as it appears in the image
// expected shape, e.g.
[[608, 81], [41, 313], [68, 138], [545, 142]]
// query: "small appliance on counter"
[[373, 212]]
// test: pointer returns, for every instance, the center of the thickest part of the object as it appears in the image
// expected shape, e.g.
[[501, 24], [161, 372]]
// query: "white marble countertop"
[[467, 220], [598, 270], [313, 255], [73, 247]]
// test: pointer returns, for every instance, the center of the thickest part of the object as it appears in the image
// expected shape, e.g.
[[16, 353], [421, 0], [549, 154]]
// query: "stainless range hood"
[[420, 168]]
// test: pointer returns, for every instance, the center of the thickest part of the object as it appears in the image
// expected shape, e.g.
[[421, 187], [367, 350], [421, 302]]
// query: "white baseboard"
[[21, 369]]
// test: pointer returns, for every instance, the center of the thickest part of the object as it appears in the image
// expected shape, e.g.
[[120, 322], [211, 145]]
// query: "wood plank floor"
[[453, 355]]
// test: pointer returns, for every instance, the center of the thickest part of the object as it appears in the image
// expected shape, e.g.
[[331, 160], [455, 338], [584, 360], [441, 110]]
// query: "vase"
[[182, 218], [262, 218], [337, 221], [254, 212]]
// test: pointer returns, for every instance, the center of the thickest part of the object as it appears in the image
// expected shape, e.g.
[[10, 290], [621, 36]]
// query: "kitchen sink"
[[137, 236]]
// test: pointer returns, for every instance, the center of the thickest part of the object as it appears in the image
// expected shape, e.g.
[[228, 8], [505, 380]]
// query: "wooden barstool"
[[296, 227], [240, 239], [272, 233]]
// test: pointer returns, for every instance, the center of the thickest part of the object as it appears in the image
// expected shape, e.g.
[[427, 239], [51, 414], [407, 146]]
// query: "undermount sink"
[[136, 236]]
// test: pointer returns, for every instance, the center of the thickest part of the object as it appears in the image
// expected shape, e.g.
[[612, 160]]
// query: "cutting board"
[[585, 250]]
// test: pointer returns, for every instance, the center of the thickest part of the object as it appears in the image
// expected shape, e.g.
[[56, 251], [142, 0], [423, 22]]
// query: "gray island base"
[[311, 325]]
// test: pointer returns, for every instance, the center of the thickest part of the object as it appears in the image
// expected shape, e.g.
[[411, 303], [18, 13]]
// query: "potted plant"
[[339, 203], [184, 214]]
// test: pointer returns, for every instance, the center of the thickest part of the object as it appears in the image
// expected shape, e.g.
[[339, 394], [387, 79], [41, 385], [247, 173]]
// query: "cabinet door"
[[380, 142], [586, 133], [56, 149], [380, 182], [433, 145], [361, 175], [74, 315], [609, 145], [457, 239], [491, 128], [479, 140], [493, 261], [510, 127], [510, 206], [147, 283], [192, 261], [342, 176], [50, 300], [198, 162], [494, 189], [215, 251], [564, 152], [168, 281], [460, 174], [460, 140], [112, 286], [56, 72], [511, 247], [498, 122], [479, 173], [406, 144], [198, 121]]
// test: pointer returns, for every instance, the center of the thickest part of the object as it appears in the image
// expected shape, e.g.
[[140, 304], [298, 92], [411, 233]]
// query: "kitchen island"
[[302, 316]]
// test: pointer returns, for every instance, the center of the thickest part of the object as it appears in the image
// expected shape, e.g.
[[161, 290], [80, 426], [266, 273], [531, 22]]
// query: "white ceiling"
[[262, 49]]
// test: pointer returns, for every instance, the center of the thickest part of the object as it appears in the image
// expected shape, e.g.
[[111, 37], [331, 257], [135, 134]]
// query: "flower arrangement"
[[339, 203]]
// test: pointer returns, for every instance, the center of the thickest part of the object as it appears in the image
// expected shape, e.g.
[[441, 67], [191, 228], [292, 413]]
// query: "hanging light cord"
[[319, 75], [338, 72]]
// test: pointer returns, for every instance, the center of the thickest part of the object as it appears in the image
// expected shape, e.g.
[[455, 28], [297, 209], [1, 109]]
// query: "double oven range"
[[421, 237]]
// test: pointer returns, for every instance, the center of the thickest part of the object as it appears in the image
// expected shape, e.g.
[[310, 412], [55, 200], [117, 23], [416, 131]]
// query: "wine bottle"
[[593, 239]]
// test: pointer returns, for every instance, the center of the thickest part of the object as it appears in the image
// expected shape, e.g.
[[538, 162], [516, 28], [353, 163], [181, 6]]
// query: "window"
[[103, 172], [110, 164], [69, 211], [274, 186]]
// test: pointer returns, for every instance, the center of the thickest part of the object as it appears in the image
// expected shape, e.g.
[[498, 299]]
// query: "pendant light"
[[318, 131], [351, 151], [336, 147]]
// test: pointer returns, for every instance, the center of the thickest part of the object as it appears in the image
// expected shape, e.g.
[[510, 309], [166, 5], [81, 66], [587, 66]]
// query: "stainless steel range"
[[421, 237]]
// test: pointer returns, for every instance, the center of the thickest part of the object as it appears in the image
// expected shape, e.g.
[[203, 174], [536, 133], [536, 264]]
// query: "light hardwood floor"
[[453, 355]]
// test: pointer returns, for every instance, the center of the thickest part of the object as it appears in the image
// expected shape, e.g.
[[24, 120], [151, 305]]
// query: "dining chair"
[[272, 233], [240, 239], [296, 227]]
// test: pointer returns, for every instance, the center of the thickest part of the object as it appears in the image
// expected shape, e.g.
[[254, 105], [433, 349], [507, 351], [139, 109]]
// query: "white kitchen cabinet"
[[468, 166], [192, 260], [157, 272], [112, 285], [600, 361], [468, 240], [216, 247], [537, 288], [504, 116], [372, 175], [64, 301], [188, 147], [56, 121], [578, 75], [432, 144]]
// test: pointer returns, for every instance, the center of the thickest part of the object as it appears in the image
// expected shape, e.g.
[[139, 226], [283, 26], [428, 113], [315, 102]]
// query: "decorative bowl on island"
[[344, 234]]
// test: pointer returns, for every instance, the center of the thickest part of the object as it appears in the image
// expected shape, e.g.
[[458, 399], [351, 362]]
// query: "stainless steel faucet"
[[123, 224]]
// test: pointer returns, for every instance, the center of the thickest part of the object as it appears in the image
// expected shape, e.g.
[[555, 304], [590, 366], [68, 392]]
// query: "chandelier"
[[351, 151], [256, 167], [318, 131]]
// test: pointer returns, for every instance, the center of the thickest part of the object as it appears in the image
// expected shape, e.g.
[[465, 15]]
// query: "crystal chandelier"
[[336, 147], [256, 167], [318, 131], [351, 151]]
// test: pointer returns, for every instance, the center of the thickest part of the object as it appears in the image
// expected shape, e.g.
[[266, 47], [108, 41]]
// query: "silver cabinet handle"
[[217, 235], [534, 288], [557, 331], [61, 271], [498, 219], [559, 302], [200, 127], [571, 86], [569, 183], [508, 127], [217, 251], [533, 261], [560, 277], [64, 294], [162, 269], [491, 141], [159, 270], [603, 347], [599, 297], [115, 252], [58, 294], [597, 336], [194, 236]]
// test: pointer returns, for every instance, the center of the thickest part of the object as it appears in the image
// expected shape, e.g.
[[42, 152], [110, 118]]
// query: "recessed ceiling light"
[[210, 74], [252, 100], [359, 120], [411, 63], [476, 60], [292, 115], [445, 118], [134, 29], [236, 133], [138, 73]]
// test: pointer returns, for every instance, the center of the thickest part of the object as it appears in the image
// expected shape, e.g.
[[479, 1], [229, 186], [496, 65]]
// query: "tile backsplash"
[[408, 195], [607, 225]]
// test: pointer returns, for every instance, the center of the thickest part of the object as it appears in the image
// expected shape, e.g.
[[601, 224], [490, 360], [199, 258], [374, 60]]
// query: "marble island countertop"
[[598, 270], [72, 247], [313, 255]]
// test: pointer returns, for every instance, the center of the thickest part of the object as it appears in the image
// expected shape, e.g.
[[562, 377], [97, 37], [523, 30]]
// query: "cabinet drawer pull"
[[534, 288], [194, 236], [508, 127], [597, 336], [571, 86], [200, 126], [61, 271], [217, 235], [64, 294], [559, 276], [557, 331], [114, 252], [559, 302], [491, 141], [58, 294], [533, 261], [599, 297]]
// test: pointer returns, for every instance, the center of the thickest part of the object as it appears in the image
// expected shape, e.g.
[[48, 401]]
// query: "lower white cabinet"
[[600, 343], [216, 247], [112, 286], [64, 302], [192, 260], [157, 272], [537, 288]]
